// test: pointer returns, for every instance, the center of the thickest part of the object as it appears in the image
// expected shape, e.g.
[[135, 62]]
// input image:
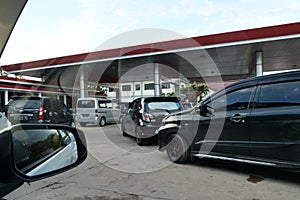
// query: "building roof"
[[231, 53], [185, 43]]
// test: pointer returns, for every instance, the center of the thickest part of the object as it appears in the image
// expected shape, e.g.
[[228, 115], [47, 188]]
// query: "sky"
[[54, 28]]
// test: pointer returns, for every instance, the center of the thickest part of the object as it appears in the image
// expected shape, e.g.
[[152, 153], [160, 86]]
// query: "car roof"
[[153, 99], [29, 97], [266, 79], [272, 78]]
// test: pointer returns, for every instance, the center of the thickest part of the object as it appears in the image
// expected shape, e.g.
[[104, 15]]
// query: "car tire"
[[138, 138], [177, 149], [82, 124], [102, 121]]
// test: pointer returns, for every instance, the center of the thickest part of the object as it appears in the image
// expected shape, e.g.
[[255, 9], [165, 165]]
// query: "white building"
[[139, 82]]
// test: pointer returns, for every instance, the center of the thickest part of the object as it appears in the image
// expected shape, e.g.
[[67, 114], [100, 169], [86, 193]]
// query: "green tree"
[[101, 90], [194, 90], [170, 94]]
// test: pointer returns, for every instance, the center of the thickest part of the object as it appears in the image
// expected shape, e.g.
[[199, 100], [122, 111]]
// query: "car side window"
[[279, 94], [236, 100], [102, 104], [109, 104], [35, 147]]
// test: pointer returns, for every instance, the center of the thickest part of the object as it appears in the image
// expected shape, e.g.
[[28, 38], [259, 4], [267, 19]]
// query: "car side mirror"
[[35, 151]]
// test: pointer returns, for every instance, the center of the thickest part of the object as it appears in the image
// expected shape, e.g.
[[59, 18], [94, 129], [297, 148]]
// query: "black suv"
[[256, 121], [38, 110], [144, 116]]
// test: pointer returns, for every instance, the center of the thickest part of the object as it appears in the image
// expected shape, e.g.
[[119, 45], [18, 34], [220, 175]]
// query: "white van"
[[97, 111]]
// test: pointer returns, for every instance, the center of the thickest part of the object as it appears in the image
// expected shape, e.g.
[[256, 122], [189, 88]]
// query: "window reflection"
[[33, 148]]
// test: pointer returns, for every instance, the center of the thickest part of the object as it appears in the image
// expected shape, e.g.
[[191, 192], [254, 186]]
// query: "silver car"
[[97, 111]]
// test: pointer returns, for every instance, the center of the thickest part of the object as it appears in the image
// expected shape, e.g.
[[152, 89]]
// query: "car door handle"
[[237, 118]]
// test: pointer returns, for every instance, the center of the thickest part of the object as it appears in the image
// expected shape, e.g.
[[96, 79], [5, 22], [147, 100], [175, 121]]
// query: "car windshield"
[[74, 53]]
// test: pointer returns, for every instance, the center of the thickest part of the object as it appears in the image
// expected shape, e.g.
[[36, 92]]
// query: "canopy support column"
[[156, 80], [259, 63]]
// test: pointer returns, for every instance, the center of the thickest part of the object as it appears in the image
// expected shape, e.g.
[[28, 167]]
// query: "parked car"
[[97, 111], [259, 121], [144, 116], [34, 109]]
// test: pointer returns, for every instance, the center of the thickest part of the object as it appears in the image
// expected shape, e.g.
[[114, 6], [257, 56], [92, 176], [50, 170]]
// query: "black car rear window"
[[25, 103]]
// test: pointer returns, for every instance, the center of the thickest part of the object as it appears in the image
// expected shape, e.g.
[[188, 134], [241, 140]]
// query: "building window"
[[149, 86], [137, 87], [166, 86], [111, 89], [126, 87]]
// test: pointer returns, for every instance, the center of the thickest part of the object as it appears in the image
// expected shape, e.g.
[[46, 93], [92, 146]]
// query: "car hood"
[[10, 11], [178, 115]]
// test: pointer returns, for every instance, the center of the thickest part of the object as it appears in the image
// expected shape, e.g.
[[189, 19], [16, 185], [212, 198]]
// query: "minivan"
[[256, 121], [97, 111], [35, 109]]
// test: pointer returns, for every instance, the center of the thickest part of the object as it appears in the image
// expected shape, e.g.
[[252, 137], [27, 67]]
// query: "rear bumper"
[[26, 121], [87, 120]]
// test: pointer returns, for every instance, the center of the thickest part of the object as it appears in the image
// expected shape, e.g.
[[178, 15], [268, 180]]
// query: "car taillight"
[[41, 113], [96, 112], [147, 117]]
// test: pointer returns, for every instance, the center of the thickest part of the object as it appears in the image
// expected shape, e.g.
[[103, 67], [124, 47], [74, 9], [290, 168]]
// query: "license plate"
[[21, 117], [85, 115]]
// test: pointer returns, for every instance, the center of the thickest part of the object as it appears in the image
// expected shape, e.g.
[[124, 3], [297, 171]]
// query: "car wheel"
[[177, 149], [82, 124], [102, 121], [138, 137]]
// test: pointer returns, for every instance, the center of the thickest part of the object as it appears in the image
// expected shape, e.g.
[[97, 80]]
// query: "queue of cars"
[[34, 109], [254, 121], [42, 109]]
